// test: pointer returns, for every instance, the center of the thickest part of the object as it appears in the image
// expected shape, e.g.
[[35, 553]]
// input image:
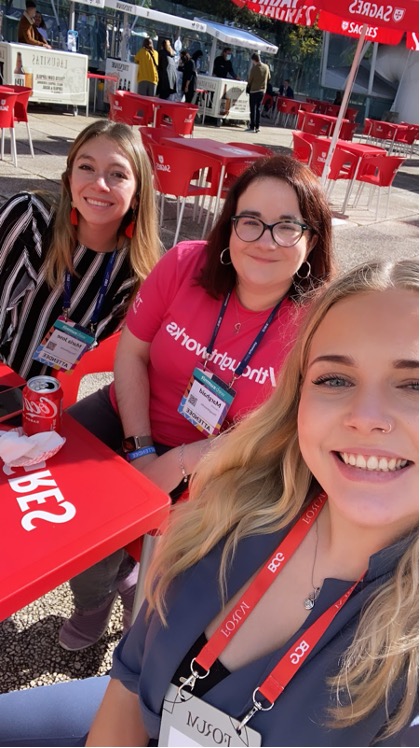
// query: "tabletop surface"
[[222, 150], [357, 148], [60, 517], [319, 116]]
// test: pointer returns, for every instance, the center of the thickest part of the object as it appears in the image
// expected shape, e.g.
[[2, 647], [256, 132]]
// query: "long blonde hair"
[[144, 250], [257, 482]]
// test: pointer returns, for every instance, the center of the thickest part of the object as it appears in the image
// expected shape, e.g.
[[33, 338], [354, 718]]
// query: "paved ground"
[[28, 640]]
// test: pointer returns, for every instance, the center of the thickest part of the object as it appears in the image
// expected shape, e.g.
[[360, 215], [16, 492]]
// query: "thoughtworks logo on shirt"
[[222, 360]]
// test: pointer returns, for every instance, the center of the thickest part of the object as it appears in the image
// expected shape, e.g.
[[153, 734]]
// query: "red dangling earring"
[[74, 218], [129, 229]]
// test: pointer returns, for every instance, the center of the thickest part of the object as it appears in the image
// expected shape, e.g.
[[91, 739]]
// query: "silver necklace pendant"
[[309, 602]]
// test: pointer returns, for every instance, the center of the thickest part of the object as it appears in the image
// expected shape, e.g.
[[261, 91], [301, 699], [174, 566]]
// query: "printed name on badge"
[[189, 721], [206, 401]]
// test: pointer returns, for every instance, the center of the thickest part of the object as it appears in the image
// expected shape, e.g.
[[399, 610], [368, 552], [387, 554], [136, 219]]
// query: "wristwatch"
[[131, 443]]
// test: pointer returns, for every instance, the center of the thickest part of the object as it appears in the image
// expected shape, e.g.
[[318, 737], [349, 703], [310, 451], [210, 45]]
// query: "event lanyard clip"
[[190, 682], [258, 707]]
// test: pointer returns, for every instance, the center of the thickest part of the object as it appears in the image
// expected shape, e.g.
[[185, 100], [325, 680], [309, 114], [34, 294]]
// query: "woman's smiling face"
[[358, 413], [262, 266], [103, 183]]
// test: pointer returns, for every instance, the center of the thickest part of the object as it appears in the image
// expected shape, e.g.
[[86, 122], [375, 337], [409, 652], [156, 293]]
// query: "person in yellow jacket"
[[147, 75]]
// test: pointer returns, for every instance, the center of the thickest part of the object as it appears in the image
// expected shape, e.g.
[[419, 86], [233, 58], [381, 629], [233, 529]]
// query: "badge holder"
[[64, 345], [206, 401], [189, 721]]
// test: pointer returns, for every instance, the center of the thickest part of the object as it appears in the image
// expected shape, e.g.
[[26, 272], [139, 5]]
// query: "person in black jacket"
[[189, 76], [166, 70], [286, 89], [223, 67]]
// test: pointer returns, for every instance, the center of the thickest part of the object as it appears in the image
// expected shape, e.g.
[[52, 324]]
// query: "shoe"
[[257, 129], [127, 591], [249, 129], [86, 627]]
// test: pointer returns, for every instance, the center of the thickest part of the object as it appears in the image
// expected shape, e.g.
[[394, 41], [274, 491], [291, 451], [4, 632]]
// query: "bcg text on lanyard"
[[207, 399], [66, 341], [281, 675]]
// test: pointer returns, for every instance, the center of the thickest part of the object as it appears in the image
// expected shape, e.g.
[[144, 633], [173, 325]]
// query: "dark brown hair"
[[218, 279]]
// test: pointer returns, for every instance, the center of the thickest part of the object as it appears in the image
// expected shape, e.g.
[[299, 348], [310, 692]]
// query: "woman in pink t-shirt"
[[202, 346]]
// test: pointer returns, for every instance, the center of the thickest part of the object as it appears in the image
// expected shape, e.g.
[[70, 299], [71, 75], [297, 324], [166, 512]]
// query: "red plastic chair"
[[307, 106], [384, 133], [351, 113], [378, 171], [99, 359], [302, 148], [347, 130], [175, 170], [21, 109], [179, 117], [286, 108], [405, 138], [367, 129], [7, 122], [314, 124], [331, 109], [125, 107], [343, 163]]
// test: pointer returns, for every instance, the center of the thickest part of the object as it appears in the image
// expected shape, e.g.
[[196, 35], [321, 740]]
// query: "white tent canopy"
[[239, 37], [148, 13]]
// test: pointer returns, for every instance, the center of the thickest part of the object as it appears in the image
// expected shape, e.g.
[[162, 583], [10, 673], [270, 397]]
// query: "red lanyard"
[[290, 663]]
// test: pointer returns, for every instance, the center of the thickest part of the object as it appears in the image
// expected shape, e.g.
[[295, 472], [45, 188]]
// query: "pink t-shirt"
[[177, 317]]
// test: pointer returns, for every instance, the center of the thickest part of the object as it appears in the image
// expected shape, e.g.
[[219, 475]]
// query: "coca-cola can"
[[42, 405]]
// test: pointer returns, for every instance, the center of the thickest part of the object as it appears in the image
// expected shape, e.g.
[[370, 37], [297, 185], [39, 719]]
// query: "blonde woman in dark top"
[[283, 600]]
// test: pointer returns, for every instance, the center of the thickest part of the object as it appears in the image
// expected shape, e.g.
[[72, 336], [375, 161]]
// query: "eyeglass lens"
[[250, 229]]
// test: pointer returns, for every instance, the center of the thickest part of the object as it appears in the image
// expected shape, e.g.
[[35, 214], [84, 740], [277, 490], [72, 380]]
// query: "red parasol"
[[383, 21]]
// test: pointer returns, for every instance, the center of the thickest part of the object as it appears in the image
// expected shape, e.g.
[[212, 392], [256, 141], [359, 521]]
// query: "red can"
[[42, 405]]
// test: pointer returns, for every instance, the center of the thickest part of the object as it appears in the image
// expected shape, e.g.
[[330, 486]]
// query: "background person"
[[286, 90], [166, 70], [220, 296], [106, 204], [189, 76], [197, 56], [40, 25], [258, 78], [222, 66], [352, 373], [147, 75], [27, 30]]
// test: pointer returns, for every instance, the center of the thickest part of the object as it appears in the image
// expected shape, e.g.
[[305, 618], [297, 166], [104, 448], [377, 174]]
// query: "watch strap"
[[132, 443]]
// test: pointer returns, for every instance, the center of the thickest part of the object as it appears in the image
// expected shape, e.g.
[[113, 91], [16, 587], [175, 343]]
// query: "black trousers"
[[255, 100]]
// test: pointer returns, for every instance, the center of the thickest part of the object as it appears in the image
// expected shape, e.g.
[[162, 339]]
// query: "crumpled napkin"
[[18, 450]]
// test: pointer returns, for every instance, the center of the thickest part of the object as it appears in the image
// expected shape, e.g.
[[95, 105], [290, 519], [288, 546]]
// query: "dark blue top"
[[148, 656]]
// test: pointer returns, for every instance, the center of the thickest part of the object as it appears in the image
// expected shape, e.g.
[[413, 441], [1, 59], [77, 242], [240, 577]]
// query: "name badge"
[[189, 721], [64, 345], [206, 401]]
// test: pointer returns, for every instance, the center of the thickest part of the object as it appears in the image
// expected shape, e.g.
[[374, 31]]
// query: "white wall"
[[399, 64]]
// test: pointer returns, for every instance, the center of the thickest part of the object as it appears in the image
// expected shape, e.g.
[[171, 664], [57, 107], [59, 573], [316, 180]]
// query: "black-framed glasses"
[[286, 233]]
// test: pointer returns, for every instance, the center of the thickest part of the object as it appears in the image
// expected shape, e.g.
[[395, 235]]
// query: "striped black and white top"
[[28, 306]]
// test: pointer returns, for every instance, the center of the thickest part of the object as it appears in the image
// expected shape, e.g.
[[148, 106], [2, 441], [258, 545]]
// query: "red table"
[[359, 149], [60, 518], [225, 154]]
